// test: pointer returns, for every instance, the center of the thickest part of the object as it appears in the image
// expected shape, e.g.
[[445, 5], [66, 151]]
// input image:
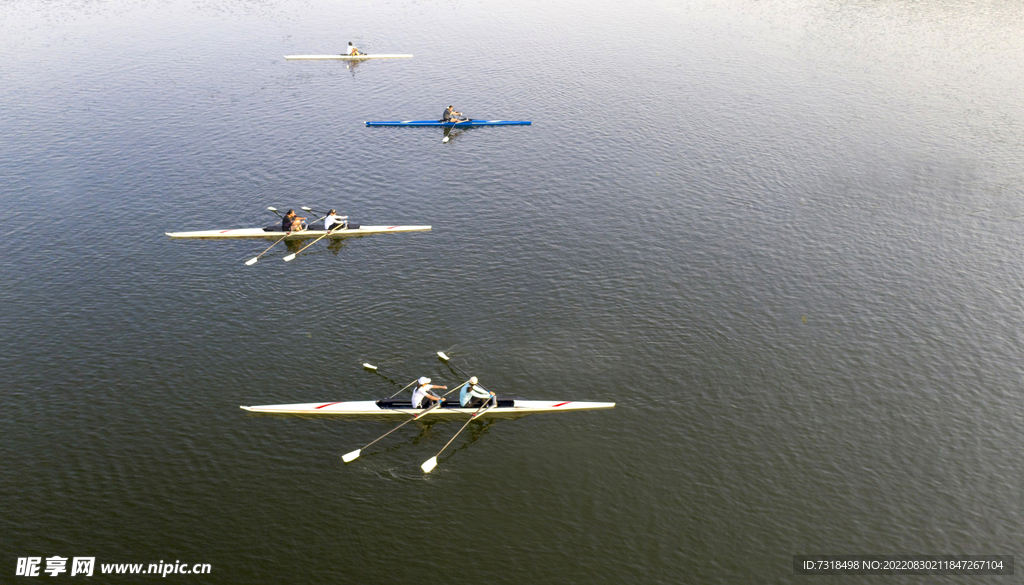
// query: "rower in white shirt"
[[333, 220], [352, 51], [422, 397]]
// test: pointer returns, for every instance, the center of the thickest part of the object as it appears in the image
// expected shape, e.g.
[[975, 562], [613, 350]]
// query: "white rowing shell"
[[370, 407], [260, 233], [347, 57]]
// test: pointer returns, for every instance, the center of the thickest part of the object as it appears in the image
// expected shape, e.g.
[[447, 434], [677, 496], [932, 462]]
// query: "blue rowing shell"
[[448, 124]]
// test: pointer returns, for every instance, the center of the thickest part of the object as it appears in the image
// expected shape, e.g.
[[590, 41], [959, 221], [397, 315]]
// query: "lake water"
[[784, 236]]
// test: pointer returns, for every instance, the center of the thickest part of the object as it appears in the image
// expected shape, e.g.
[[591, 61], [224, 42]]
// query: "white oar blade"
[[347, 457], [272, 208], [445, 139], [251, 261], [429, 465], [289, 257], [370, 366], [441, 355]]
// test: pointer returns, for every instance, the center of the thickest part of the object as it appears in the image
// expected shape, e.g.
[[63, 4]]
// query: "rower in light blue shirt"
[[471, 395]]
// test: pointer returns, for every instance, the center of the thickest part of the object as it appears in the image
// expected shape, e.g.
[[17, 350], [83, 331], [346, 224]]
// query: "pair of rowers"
[[471, 394], [293, 223]]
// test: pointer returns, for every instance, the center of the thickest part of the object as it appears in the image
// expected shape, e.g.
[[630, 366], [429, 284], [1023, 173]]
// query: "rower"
[[450, 115], [422, 397], [291, 223], [471, 395], [352, 51], [333, 219]]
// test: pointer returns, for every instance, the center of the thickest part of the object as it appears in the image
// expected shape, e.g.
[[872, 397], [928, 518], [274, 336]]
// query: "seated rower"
[[422, 397], [352, 51], [334, 221], [473, 396], [450, 115], [291, 223]]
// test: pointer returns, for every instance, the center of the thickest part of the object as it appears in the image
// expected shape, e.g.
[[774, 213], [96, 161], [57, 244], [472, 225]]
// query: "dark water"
[[784, 236]]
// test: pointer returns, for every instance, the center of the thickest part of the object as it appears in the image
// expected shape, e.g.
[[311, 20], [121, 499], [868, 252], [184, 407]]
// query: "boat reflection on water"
[[294, 246], [334, 245], [451, 133], [352, 66], [428, 434]]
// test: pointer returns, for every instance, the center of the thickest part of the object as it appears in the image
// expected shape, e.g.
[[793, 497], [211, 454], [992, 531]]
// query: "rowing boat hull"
[[373, 408], [451, 124], [346, 57], [260, 233]]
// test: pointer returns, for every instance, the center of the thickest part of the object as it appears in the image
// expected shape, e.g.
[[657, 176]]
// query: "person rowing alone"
[[422, 397], [352, 51], [471, 395], [291, 223], [451, 116], [335, 221]]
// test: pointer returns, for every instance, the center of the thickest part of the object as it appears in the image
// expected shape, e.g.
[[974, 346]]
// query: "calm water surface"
[[784, 236]]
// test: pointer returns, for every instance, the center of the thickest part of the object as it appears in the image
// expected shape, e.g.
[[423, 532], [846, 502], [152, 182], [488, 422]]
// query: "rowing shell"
[[273, 233], [348, 57], [402, 406], [449, 124]]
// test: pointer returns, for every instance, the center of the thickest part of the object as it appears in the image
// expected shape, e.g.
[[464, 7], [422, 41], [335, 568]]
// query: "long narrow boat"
[[347, 57], [450, 124], [275, 232], [402, 406]]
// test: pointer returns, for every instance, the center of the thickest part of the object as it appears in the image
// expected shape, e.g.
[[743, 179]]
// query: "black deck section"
[[316, 225], [406, 403]]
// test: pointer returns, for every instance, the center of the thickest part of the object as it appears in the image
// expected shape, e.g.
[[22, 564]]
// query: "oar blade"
[[442, 355], [289, 257], [429, 464], [348, 457], [369, 366], [251, 261]]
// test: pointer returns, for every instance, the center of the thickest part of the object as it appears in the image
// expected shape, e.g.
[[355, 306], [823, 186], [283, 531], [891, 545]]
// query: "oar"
[[373, 368], [404, 388], [449, 133], [291, 257], [274, 209], [304, 208], [252, 261], [446, 359], [431, 463], [347, 457]]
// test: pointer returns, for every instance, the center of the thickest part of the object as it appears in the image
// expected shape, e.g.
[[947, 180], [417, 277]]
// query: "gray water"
[[784, 236]]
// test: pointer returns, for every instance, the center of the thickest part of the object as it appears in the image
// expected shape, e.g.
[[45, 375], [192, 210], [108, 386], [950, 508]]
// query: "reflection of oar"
[[431, 463], [351, 456], [291, 257], [252, 261]]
